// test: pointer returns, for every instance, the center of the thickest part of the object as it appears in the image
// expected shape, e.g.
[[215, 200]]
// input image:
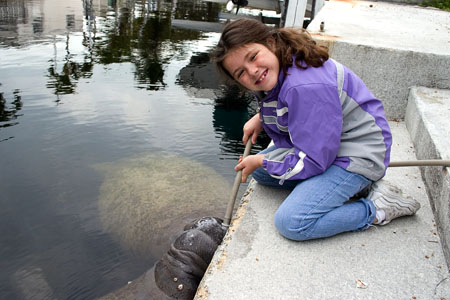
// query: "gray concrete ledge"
[[401, 260], [428, 120], [390, 46]]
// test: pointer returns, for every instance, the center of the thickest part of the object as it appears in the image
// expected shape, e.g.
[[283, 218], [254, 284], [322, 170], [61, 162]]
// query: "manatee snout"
[[179, 272], [213, 227]]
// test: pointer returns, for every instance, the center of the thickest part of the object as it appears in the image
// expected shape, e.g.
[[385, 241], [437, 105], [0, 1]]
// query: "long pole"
[[420, 163], [248, 146], [234, 191]]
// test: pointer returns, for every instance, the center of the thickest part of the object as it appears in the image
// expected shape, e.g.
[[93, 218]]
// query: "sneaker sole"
[[405, 203], [408, 204]]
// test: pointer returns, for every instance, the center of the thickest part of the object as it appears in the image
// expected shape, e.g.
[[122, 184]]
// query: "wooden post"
[[295, 13]]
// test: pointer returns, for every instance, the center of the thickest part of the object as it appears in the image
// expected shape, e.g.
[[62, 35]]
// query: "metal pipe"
[[420, 163], [234, 191]]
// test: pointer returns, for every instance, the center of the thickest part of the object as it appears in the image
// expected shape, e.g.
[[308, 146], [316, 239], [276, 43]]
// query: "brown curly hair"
[[289, 43]]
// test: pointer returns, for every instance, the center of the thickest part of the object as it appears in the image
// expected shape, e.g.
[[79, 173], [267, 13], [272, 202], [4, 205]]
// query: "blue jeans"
[[319, 206]]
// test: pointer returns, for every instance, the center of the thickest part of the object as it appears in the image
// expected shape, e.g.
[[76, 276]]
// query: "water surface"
[[89, 82]]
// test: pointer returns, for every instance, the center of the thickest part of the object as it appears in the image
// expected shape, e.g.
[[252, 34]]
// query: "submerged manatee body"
[[178, 273], [146, 200]]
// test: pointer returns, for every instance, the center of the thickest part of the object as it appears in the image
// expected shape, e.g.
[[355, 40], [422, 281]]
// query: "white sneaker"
[[392, 201]]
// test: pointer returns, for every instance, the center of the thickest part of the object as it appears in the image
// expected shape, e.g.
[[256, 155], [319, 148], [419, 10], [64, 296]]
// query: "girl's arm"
[[252, 128], [314, 121]]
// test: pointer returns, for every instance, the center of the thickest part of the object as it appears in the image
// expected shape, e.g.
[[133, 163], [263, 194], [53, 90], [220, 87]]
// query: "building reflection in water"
[[114, 32], [9, 112]]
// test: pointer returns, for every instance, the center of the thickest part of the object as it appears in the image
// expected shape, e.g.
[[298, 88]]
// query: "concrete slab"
[[390, 46], [402, 260], [385, 25], [431, 107], [428, 120]]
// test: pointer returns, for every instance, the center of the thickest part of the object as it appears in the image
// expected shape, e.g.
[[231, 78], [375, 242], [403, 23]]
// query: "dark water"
[[84, 82]]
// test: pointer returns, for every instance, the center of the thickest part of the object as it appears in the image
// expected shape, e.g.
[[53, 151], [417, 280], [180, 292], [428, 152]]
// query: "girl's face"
[[254, 66]]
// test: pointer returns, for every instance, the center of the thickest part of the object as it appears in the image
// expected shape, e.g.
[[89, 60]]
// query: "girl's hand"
[[249, 164], [252, 128]]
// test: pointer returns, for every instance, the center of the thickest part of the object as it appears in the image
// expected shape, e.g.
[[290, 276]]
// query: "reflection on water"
[[9, 111], [89, 82]]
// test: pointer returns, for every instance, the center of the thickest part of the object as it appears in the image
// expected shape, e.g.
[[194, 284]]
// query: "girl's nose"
[[253, 70]]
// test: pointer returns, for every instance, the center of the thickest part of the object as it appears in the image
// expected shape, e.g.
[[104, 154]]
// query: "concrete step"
[[402, 260], [390, 46], [428, 120]]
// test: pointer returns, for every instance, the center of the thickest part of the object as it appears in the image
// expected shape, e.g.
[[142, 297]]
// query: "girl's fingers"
[[254, 136], [244, 178], [245, 139]]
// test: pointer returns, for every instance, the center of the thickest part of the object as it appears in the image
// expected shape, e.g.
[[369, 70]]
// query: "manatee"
[[178, 273], [145, 200], [31, 283]]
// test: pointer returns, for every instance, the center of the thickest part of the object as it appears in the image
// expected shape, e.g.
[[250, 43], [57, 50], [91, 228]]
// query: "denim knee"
[[283, 222], [258, 175], [264, 178]]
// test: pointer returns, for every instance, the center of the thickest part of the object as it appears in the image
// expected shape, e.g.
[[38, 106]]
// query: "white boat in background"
[[275, 5]]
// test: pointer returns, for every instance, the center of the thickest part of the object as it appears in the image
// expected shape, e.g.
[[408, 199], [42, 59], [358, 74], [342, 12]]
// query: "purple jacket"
[[317, 117]]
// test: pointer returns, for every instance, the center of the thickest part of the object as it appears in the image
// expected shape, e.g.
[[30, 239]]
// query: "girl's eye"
[[240, 73], [253, 57]]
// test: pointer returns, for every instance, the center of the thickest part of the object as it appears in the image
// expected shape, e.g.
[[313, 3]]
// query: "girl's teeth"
[[262, 78]]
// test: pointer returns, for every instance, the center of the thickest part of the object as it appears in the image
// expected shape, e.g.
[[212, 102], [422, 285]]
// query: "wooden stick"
[[420, 163], [237, 182]]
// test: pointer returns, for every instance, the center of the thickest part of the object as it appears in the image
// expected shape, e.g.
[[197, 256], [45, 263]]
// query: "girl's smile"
[[261, 79], [254, 66]]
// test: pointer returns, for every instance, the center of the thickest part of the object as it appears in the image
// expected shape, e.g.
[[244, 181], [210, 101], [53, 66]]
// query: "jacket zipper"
[[284, 176]]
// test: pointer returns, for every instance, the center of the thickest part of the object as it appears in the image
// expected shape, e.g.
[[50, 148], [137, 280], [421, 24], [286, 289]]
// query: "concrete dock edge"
[[427, 120]]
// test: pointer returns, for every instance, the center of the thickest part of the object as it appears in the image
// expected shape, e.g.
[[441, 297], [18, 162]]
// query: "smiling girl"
[[331, 140]]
